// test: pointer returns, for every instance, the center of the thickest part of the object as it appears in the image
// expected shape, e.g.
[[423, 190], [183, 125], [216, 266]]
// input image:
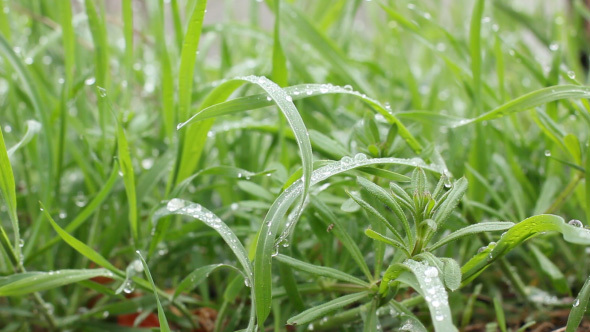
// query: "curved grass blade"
[[161, 315], [492, 226], [519, 233], [322, 310], [551, 271], [30, 282], [321, 271], [285, 103], [185, 208], [265, 245], [86, 212], [300, 92], [578, 308], [80, 247], [33, 127], [8, 192], [199, 275]]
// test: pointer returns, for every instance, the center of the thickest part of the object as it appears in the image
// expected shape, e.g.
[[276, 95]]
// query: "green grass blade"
[[519, 233], [30, 282], [8, 191], [321, 271], [181, 207], [80, 247], [551, 270], [491, 226], [101, 57], [190, 45], [167, 93], [279, 61], [579, 308], [475, 50], [88, 210], [325, 309], [127, 12], [265, 246], [126, 169], [161, 315], [302, 91]]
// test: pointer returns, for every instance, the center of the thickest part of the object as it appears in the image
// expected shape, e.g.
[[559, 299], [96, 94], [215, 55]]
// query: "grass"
[[320, 165]]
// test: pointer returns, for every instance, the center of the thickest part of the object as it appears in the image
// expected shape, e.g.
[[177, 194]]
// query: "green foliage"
[[345, 166]]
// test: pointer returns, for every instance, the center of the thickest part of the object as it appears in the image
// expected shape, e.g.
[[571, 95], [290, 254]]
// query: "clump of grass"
[[275, 173]]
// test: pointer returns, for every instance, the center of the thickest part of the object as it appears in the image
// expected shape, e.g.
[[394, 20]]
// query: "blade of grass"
[[126, 170], [30, 282], [324, 309], [161, 315], [579, 308], [8, 191], [321, 271]]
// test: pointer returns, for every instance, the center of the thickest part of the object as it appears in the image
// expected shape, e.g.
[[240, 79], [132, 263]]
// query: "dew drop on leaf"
[[575, 223]]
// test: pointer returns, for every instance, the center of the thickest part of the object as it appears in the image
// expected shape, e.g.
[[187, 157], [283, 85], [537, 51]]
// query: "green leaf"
[[549, 268], [579, 308], [128, 179], [321, 271], [88, 210], [30, 282], [375, 215], [573, 146], [279, 61], [491, 226], [451, 273], [8, 191], [387, 240], [325, 309], [450, 203], [161, 315], [519, 233], [80, 247]]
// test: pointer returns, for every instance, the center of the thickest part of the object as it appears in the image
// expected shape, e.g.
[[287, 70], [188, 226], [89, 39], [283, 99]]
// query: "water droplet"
[[90, 81], [571, 74], [346, 160], [105, 314], [234, 206], [310, 327], [63, 214], [247, 282], [547, 153], [309, 92], [240, 175], [175, 204], [360, 157], [439, 317], [121, 173], [102, 92], [275, 251], [431, 272], [576, 303], [28, 61], [42, 209], [576, 223], [268, 98], [289, 98], [21, 243], [554, 47], [128, 287], [348, 87], [61, 80]]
